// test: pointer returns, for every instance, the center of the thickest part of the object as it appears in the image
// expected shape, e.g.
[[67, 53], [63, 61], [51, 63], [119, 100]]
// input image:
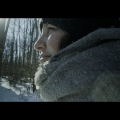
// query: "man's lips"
[[44, 58]]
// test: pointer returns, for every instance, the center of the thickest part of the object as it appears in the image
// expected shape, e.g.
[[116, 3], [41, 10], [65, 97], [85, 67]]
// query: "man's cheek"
[[53, 42]]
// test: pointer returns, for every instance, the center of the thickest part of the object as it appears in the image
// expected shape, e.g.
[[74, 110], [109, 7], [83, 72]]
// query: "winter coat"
[[86, 71]]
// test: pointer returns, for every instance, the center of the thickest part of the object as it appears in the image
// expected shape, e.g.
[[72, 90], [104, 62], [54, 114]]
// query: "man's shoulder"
[[107, 87]]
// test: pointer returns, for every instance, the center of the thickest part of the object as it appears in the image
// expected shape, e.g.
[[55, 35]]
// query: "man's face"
[[49, 42]]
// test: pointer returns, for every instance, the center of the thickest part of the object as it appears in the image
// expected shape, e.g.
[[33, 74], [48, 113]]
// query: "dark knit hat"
[[79, 27]]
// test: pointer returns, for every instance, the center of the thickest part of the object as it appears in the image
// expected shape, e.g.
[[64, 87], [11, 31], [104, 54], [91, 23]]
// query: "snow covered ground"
[[20, 93]]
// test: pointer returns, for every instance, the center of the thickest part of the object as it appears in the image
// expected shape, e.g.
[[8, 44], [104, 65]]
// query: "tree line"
[[18, 59]]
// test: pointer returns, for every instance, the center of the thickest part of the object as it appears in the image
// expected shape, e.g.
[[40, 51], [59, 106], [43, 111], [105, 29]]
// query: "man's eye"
[[50, 30]]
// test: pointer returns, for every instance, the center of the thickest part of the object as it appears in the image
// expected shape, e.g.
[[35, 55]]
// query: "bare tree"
[[4, 25], [20, 58]]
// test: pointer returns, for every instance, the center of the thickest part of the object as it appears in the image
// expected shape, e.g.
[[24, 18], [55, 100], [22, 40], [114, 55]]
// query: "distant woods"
[[18, 59]]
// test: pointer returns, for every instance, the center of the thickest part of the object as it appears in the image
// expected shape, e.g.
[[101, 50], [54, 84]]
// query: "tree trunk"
[[3, 34]]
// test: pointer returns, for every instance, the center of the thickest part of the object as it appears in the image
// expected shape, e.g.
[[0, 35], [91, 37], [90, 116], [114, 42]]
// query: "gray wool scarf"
[[71, 74]]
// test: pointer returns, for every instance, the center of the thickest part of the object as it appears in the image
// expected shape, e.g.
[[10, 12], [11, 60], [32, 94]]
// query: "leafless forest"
[[18, 59]]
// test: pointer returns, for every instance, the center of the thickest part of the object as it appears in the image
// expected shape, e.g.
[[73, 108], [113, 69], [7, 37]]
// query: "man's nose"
[[39, 44]]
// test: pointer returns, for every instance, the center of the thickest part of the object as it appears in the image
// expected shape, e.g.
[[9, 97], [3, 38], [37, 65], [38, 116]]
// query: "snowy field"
[[19, 93]]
